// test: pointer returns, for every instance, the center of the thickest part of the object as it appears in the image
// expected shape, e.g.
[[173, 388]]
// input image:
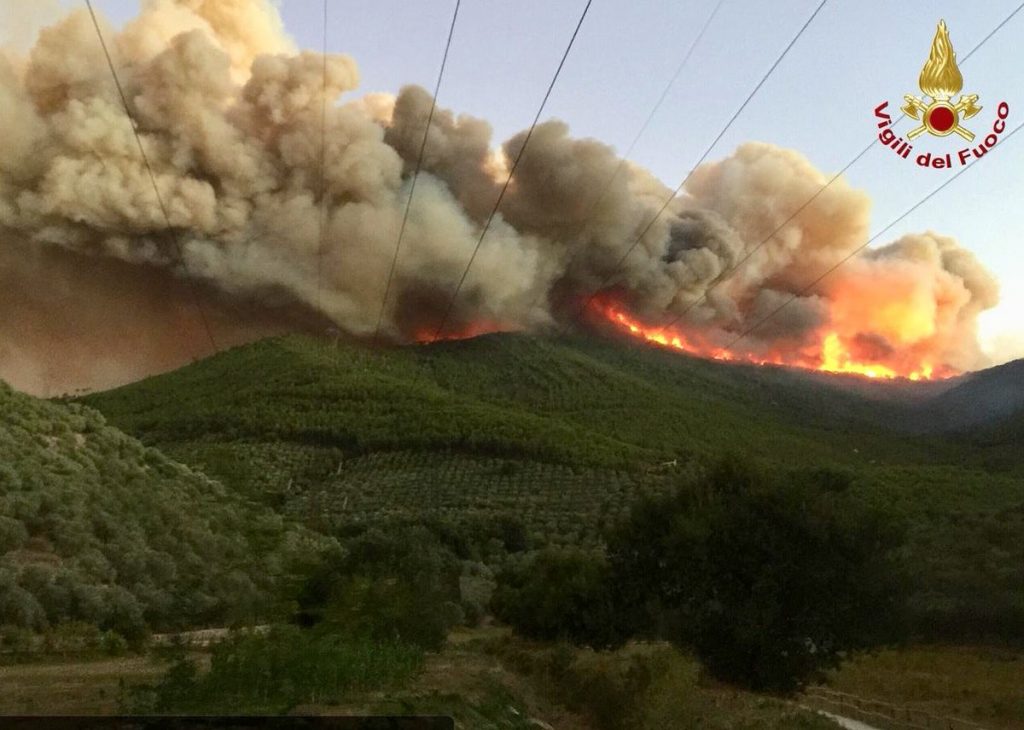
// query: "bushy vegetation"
[[255, 674], [562, 596], [97, 528], [769, 578], [401, 585], [648, 687]]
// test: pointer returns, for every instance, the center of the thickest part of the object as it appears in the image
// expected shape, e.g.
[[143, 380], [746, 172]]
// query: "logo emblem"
[[940, 81]]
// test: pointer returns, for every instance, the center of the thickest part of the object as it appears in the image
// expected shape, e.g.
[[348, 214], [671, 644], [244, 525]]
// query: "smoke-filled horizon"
[[92, 291]]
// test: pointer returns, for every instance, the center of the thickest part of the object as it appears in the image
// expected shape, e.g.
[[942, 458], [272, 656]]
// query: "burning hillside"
[[832, 354], [229, 114]]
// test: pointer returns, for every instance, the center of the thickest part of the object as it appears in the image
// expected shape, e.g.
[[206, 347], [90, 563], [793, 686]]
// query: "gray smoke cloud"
[[229, 114]]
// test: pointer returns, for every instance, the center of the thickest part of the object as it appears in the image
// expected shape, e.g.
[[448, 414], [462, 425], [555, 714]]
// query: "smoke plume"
[[267, 231]]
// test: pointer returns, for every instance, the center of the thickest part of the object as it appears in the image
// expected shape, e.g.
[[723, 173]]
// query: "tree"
[[560, 595], [19, 608], [402, 586], [124, 614], [12, 533], [769, 577]]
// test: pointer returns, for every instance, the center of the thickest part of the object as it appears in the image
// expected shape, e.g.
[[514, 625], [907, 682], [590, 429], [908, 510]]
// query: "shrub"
[[19, 608], [401, 586], [12, 533], [113, 644], [560, 595], [252, 674]]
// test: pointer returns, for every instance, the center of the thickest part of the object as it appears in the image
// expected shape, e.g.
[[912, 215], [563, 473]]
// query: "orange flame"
[[832, 356], [427, 335]]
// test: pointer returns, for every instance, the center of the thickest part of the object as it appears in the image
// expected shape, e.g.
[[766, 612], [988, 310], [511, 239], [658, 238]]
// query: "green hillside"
[[97, 528], [560, 437], [578, 402]]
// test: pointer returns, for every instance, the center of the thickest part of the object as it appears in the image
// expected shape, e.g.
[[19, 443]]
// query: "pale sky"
[[820, 100]]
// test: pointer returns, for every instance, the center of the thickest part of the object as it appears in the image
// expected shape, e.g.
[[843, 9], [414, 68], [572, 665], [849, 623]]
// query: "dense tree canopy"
[[770, 577]]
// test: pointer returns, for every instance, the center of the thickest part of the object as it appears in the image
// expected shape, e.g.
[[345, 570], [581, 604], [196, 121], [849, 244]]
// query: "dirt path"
[[847, 722]]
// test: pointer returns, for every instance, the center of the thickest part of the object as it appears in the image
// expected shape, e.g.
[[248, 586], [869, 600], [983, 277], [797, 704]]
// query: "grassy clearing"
[[71, 688], [985, 685]]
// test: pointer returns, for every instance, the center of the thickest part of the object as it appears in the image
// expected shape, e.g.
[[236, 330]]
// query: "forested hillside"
[[552, 441], [97, 528], [985, 410], [578, 401]]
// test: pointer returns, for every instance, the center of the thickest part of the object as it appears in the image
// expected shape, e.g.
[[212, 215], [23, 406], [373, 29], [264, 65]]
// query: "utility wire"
[[723, 277], [152, 179], [321, 183], [632, 145], [668, 201], [512, 172], [416, 172], [860, 248]]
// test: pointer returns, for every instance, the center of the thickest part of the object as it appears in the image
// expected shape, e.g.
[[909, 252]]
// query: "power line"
[[632, 145], [512, 171], [416, 172], [860, 248], [664, 92], [668, 201], [995, 30], [321, 184], [152, 179], [723, 277]]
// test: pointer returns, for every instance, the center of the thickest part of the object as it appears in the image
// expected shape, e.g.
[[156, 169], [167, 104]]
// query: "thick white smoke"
[[229, 114]]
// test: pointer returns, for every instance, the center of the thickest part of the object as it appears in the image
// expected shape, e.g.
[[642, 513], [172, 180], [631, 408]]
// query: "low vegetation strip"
[[980, 684], [882, 715]]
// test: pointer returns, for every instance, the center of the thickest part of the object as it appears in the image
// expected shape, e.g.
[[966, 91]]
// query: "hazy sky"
[[820, 100]]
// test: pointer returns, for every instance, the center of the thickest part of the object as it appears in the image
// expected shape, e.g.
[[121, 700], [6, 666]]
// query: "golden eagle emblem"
[[940, 81]]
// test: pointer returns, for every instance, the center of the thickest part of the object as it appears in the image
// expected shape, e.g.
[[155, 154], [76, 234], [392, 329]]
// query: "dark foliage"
[[769, 577], [401, 585], [561, 595]]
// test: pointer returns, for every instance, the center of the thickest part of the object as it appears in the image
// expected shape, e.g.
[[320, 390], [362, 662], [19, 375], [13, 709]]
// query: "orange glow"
[[836, 359], [900, 307], [473, 329], [831, 356]]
